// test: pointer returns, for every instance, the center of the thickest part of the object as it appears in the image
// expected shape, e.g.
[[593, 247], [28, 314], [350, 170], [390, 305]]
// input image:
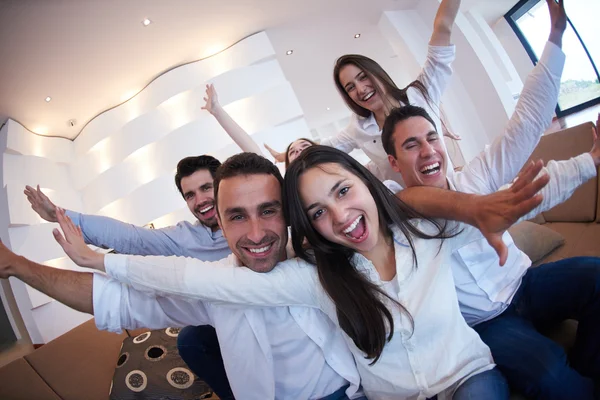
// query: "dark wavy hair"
[[379, 77], [187, 166], [287, 150], [396, 116], [361, 312]]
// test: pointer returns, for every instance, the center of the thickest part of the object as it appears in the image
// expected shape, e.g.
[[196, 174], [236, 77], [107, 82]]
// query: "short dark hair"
[[189, 165], [398, 115], [245, 164]]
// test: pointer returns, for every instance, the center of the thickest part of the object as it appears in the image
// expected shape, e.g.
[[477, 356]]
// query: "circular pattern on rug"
[[155, 353], [122, 359], [136, 380], [180, 378], [172, 332], [141, 338]]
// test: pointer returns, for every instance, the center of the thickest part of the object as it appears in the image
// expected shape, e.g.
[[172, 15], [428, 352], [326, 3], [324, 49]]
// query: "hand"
[[8, 259], [74, 245], [279, 157], [595, 152], [40, 203], [496, 212], [212, 100], [558, 20]]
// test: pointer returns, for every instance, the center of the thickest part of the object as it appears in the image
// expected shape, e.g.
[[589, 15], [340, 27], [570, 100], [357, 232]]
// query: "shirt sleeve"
[[436, 71], [500, 163], [344, 140], [118, 306], [290, 283], [125, 238], [565, 177]]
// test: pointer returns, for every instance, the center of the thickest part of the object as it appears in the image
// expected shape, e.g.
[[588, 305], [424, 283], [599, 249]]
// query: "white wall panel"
[[20, 211], [31, 170], [22, 141]]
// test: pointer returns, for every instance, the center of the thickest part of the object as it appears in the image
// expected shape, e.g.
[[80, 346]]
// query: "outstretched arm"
[[239, 135], [279, 157], [443, 23], [71, 288]]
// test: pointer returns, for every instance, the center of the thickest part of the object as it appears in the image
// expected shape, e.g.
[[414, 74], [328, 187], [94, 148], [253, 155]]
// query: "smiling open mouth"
[[431, 169], [357, 229], [368, 96], [260, 251]]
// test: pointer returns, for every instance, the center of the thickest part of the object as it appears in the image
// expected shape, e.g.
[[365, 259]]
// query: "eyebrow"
[[262, 206], [333, 189], [206, 186], [414, 138]]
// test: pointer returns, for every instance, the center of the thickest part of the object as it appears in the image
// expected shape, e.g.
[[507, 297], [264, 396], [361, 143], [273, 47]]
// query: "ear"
[[394, 163]]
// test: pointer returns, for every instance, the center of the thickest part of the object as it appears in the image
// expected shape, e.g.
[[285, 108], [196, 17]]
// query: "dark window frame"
[[521, 8]]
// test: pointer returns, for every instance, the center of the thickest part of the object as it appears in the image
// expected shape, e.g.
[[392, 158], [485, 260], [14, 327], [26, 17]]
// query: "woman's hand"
[[212, 100]]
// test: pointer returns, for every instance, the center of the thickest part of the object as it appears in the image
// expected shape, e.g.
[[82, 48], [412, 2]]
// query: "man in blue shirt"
[[197, 345]]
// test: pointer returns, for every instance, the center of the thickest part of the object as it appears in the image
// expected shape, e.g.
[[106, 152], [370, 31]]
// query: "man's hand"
[[496, 212], [40, 203], [8, 260], [595, 152], [558, 21], [212, 100], [73, 244]]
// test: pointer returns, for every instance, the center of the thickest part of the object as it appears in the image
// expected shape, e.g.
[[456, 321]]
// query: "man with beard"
[[197, 345]]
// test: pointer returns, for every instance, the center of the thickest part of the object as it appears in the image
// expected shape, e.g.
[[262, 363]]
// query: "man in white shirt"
[[506, 304]]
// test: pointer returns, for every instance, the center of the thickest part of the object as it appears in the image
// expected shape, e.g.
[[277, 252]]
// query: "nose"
[[339, 215], [256, 232], [427, 150], [362, 88]]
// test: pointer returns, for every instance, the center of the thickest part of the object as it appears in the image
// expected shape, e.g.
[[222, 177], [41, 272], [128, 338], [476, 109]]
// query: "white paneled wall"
[[122, 164]]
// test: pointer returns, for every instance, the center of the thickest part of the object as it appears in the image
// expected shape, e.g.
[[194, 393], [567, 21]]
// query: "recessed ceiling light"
[[146, 22], [328, 108], [289, 52], [357, 36], [48, 99]]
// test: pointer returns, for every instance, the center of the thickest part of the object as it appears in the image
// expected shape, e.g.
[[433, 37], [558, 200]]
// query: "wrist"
[[17, 266], [595, 157], [556, 37], [216, 110]]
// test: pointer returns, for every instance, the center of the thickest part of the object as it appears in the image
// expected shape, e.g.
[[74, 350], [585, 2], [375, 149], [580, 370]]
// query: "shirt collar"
[[369, 121]]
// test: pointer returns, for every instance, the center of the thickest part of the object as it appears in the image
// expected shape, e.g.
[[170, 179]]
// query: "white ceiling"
[[90, 55]]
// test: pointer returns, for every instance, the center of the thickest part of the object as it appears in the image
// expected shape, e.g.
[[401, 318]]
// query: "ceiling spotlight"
[[48, 99], [289, 52], [328, 108], [146, 22], [357, 36]]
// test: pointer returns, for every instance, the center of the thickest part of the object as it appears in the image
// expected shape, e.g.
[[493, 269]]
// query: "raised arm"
[[110, 233], [71, 288], [443, 23], [239, 135], [279, 157], [291, 283]]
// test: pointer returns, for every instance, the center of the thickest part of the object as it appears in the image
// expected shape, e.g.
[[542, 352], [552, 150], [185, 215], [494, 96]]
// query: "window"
[[580, 83]]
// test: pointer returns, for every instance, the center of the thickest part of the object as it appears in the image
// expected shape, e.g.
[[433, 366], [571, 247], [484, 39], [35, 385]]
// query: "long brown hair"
[[379, 77], [360, 309]]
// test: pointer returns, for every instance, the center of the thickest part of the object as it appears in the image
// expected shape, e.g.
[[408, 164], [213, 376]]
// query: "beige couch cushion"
[[562, 145], [18, 381], [79, 364], [535, 240]]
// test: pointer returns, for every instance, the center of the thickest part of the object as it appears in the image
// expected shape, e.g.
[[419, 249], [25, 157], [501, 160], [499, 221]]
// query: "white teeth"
[[368, 96], [353, 226], [207, 209], [261, 250], [429, 169]]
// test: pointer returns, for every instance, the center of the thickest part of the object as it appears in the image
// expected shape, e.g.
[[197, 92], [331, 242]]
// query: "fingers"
[[498, 245], [532, 188], [59, 238], [527, 175], [526, 206]]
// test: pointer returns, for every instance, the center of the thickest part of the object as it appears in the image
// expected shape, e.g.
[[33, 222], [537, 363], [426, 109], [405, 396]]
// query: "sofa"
[[80, 364]]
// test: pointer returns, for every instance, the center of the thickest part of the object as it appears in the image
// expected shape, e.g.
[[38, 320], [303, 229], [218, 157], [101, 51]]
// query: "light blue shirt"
[[184, 239]]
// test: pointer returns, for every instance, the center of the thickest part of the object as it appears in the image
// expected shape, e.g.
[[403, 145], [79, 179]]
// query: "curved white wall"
[[122, 164]]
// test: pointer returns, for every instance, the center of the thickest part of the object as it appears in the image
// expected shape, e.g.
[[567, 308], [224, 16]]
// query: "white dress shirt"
[[309, 348], [435, 358], [364, 133], [484, 288]]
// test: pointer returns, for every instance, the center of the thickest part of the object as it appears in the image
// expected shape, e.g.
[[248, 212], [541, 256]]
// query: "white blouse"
[[364, 133], [435, 358]]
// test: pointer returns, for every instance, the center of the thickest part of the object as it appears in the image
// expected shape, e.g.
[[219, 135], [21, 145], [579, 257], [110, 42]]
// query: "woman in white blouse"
[[370, 93]]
